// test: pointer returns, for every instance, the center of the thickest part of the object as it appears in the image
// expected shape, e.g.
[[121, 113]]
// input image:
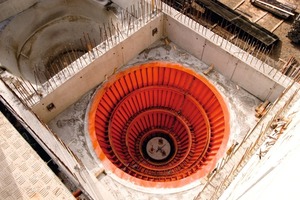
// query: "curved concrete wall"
[[45, 30]]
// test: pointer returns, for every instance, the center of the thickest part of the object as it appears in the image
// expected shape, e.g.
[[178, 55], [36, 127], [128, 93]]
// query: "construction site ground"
[[284, 49]]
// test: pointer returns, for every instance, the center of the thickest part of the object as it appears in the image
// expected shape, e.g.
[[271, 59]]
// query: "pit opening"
[[62, 60], [158, 148], [158, 124]]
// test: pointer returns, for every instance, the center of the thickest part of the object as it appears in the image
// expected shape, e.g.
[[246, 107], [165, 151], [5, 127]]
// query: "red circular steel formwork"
[[159, 124]]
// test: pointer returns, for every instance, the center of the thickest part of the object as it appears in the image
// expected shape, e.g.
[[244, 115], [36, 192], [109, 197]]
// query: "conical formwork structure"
[[158, 124]]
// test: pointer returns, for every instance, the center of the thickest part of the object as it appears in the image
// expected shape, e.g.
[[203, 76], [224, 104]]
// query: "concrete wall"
[[201, 45], [95, 73], [231, 66], [276, 174], [47, 29], [10, 8]]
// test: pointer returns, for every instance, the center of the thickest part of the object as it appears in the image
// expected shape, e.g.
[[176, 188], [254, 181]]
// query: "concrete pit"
[[69, 125], [159, 124]]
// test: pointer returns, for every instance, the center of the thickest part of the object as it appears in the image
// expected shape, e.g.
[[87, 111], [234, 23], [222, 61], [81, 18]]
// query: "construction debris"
[[231, 148], [167, 42], [277, 25], [279, 9], [232, 18], [294, 33], [262, 108], [99, 172], [208, 70], [291, 68], [279, 125]]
